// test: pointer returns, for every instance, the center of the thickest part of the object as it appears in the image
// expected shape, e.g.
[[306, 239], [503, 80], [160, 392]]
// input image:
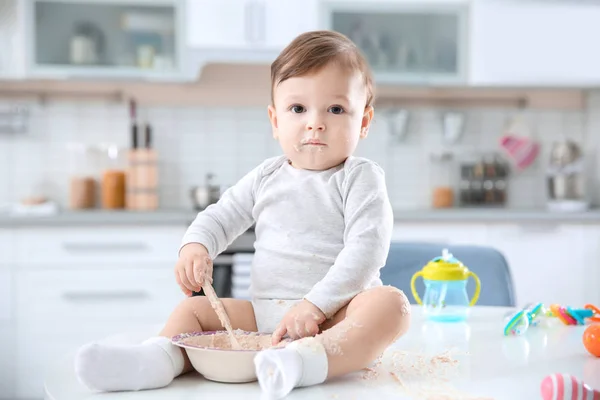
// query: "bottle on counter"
[[442, 180], [113, 179], [83, 176]]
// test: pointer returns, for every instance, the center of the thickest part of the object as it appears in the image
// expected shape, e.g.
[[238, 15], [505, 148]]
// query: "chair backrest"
[[487, 263]]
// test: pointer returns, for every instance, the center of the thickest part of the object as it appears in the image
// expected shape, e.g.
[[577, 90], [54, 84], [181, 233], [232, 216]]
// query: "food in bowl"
[[212, 356]]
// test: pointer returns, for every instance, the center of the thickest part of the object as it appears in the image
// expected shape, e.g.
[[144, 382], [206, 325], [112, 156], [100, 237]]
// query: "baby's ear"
[[273, 119], [366, 121]]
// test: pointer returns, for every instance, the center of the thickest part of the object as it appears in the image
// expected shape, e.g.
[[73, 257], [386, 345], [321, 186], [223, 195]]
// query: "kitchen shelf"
[[460, 97], [44, 95], [97, 40]]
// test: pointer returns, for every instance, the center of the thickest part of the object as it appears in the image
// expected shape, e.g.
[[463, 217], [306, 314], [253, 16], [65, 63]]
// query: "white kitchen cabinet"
[[534, 43], [442, 233], [40, 349], [109, 246], [6, 296], [7, 361], [591, 254], [406, 42], [6, 248], [73, 285], [12, 39], [71, 298], [245, 30], [288, 19], [547, 261], [221, 24], [82, 306], [106, 39]]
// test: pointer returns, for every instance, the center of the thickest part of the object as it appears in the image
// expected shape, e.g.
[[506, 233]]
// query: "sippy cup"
[[445, 298]]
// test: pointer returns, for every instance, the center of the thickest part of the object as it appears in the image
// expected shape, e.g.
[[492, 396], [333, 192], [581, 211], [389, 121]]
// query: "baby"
[[323, 224]]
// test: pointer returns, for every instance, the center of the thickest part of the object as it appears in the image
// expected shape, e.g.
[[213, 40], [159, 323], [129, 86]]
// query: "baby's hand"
[[193, 268], [300, 321]]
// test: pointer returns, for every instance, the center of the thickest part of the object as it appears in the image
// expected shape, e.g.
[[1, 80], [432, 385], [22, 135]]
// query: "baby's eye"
[[336, 109], [297, 109]]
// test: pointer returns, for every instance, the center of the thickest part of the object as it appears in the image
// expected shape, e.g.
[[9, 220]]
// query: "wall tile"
[[229, 142]]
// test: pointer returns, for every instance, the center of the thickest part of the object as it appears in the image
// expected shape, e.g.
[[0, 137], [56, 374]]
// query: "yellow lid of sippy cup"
[[445, 268]]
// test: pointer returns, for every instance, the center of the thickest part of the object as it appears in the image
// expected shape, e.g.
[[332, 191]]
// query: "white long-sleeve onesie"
[[320, 235]]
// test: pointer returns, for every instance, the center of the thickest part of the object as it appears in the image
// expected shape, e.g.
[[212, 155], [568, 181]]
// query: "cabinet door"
[[7, 361], [6, 248], [591, 255], [67, 298], [36, 351], [12, 39], [216, 24], [6, 304], [534, 42], [406, 42], [57, 311], [117, 39], [547, 261], [82, 247], [288, 19]]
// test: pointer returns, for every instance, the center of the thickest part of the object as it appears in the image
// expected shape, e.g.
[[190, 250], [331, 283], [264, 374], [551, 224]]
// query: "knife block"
[[142, 180]]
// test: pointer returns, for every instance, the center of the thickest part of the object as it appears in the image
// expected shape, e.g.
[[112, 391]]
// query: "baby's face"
[[319, 118]]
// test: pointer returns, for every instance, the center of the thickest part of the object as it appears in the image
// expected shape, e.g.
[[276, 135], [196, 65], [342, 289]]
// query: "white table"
[[489, 365]]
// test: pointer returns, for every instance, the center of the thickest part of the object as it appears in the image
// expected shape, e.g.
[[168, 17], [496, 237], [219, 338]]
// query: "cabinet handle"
[[223, 260], [103, 247], [248, 21], [254, 20], [539, 228], [262, 17], [104, 296]]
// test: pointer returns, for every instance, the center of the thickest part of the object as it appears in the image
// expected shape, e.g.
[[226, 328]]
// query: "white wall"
[[229, 141]]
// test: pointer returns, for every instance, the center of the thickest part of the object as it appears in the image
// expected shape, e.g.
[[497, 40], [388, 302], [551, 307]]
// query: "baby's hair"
[[311, 51]]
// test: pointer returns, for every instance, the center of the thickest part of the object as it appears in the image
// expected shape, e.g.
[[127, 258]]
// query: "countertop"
[[185, 217], [461, 360], [100, 217]]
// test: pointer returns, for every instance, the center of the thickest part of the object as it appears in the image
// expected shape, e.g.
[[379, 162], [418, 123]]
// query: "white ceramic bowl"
[[220, 365]]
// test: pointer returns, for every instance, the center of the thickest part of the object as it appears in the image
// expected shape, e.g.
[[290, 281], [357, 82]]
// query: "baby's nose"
[[315, 126]]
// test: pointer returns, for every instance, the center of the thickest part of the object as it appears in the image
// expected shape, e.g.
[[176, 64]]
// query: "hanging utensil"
[[398, 123], [453, 125]]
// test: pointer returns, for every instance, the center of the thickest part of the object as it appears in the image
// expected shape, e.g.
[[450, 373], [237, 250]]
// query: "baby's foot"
[[301, 363], [150, 365]]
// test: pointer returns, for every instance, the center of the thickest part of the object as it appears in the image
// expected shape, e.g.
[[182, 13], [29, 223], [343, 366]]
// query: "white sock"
[[109, 368], [301, 363]]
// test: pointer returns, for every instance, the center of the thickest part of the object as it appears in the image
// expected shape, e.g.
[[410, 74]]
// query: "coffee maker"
[[566, 178]]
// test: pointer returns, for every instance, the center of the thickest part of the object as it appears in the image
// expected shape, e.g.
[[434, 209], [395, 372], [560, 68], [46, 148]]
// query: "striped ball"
[[566, 387]]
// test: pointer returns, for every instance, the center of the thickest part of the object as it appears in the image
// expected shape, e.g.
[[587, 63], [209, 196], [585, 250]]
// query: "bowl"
[[224, 364]]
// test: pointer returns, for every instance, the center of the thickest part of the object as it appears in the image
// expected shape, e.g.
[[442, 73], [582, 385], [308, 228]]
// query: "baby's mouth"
[[313, 142]]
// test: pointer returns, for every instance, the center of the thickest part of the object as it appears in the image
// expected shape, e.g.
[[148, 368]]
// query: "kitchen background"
[[487, 120], [227, 142]]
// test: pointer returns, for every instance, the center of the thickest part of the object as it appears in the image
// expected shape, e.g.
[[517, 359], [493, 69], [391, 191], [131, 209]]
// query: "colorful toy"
[[574, 316], [534, 313], [591, 339], [566, 387], [595, 311], [518, 322]]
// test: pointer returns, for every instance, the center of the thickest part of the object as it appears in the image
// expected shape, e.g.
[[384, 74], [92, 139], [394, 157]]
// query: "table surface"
[[483, 364]]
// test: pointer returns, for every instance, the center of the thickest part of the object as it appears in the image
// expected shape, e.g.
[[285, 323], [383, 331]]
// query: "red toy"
[[591, 339], [566, 387]]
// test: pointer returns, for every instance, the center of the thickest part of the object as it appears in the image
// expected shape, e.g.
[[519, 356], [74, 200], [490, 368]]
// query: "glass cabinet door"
[[95, 37], [406, 43]]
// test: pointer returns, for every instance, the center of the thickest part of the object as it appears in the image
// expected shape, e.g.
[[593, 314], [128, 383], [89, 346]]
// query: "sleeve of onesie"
[[369, 222], [221, 223]]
